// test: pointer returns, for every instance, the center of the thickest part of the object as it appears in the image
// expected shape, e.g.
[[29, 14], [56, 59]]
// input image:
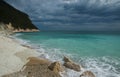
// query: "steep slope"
[[18, 19]]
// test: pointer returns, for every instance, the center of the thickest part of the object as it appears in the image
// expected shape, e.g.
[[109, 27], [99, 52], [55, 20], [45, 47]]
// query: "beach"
[[22, 61], [13, 55], [19, 60]]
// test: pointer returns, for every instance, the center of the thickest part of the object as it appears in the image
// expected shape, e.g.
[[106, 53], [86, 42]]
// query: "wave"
[[103, 66], [100, 66], [21, 41], [18, 34]]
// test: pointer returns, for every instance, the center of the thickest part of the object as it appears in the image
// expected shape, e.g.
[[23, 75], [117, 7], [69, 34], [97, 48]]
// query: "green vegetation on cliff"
[[18, 19]]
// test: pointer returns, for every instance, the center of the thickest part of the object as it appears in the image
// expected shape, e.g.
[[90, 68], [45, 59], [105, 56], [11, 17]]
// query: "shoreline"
[[27, 30], [13, 55], [21, 60]]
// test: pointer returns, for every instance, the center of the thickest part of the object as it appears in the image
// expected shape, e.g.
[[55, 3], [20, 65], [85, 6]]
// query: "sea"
[[97, 52]]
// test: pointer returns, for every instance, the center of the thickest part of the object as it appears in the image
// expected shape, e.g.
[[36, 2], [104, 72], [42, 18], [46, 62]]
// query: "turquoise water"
[[75, 43], [99, 53]]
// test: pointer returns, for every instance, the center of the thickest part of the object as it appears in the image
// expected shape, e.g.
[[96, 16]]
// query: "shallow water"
[[99, 53]]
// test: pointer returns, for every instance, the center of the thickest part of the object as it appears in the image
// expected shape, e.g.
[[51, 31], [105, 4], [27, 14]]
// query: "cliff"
[[6, 29], [19, 20]]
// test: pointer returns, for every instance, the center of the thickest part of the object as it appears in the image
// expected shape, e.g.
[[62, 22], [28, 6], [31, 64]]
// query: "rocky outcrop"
[[71, 65], [66, 59], [25, 30], [35, 61], [19, 20], [36, 67], [87, 74], [56, 67], [5, 29]]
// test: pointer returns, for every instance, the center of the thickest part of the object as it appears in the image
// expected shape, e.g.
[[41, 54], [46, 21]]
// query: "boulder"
[[71, 65], [87, 74], [37, 67], [66, 59], [56, 67], [36, 60]]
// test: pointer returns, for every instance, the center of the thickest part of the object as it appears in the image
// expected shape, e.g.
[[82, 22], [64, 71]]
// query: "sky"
[[76, 15]]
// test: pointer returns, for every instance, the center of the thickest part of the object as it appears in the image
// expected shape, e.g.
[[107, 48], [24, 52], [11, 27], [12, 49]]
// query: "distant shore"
[[26, 30]]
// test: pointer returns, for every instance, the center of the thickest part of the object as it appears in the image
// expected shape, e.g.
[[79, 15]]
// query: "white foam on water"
[[18, 34], [21, 41], [101, 67]]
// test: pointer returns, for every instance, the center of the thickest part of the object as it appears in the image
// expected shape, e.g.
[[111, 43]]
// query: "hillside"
[[18, 19]]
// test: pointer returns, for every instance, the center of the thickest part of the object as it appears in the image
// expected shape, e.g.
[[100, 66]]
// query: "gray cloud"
[[72, 14]]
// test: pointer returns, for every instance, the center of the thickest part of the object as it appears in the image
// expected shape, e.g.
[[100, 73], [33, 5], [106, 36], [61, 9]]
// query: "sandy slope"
[[12, 55]]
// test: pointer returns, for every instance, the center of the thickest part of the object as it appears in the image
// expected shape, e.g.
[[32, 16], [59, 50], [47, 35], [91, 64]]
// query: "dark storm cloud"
[[72, 14]]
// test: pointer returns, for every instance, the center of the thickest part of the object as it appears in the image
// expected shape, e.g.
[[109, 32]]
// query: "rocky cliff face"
[[19, 20], [6, 29]]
